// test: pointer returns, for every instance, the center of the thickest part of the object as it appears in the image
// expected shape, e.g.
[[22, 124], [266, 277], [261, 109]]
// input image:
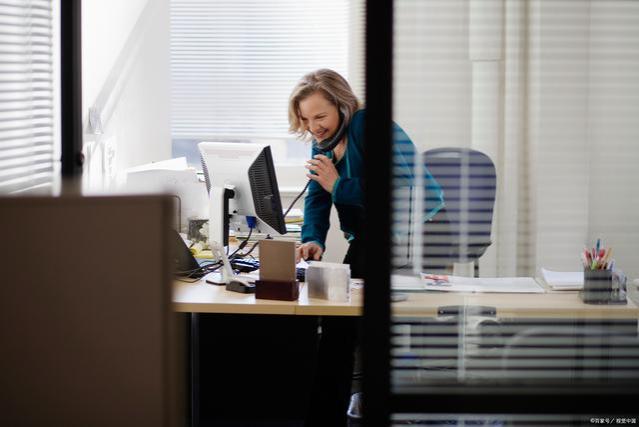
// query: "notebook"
[[563, 281]]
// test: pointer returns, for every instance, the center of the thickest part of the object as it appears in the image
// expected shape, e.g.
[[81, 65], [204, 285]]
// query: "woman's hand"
[[310, 251], [325, 172]]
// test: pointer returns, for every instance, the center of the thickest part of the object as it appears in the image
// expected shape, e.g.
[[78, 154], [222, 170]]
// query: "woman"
[[324, 107]]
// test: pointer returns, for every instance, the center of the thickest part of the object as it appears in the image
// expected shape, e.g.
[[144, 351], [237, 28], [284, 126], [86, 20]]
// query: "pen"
[[584, 260], [597, 246]]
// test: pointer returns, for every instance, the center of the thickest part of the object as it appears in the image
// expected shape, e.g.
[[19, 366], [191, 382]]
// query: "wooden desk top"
[[201, 297], [565, 304]]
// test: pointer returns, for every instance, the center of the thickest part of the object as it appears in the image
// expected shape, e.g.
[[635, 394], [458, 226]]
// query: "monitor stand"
[[218, 253], [218, 229], [218, 236]]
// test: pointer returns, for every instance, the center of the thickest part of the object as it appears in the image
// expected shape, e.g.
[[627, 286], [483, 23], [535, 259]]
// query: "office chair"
[[461, 231]]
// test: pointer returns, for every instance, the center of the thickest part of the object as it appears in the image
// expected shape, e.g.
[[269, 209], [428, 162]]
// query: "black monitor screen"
[[266, 195]]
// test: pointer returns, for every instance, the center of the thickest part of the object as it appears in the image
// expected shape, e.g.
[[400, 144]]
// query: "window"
[[27, 149], [234, 64]]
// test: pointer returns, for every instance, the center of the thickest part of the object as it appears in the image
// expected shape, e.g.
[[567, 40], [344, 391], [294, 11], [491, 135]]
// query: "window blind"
[[26, 96], [234, 63]]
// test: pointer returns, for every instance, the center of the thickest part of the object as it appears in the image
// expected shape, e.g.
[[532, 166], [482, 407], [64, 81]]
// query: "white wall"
[[614, 129], [584, 104], [558, 132], [106, 26], [431, 84], [125, 71]]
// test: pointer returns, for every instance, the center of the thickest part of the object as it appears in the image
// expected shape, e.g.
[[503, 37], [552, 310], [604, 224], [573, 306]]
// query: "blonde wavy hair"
[[332, 86]]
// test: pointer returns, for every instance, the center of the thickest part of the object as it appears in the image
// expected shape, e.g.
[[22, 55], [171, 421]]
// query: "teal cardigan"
[[348, 190]]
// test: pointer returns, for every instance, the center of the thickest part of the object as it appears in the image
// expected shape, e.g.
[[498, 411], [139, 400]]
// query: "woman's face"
[[319, 116]]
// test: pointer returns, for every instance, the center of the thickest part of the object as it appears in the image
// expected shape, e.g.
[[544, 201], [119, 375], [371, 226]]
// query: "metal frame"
[[377, 162], [71, 88], [577, 400]]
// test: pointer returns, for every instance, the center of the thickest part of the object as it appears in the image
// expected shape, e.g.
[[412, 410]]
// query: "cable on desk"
[[205, 269], [268, 237], [242, 246], [187, 280]]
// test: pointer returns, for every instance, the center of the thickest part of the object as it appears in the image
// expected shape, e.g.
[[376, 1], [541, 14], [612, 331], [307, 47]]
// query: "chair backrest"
[[462, 232]]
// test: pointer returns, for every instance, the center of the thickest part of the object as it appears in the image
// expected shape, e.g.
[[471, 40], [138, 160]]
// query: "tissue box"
[[327, 280]]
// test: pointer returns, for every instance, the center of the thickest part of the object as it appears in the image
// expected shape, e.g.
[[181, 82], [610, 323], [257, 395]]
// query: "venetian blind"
[[234, 63], [26, 96]]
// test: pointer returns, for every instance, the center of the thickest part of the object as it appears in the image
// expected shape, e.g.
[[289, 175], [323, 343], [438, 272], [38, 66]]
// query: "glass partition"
[[515, 234]]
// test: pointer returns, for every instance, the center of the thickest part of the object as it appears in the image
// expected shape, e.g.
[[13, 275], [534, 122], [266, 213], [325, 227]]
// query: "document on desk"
[[562, 280], [407, 283], [446, 283]]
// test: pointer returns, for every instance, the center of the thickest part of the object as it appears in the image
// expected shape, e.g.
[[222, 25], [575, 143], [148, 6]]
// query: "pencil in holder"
[[597, 286]]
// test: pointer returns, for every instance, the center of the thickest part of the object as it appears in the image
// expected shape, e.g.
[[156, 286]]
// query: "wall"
[[584, 133], [126, 83], [558, 133], [431, 84], [613, 105]]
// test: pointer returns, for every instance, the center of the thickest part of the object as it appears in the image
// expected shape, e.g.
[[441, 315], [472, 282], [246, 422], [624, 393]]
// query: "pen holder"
[[597, 287]]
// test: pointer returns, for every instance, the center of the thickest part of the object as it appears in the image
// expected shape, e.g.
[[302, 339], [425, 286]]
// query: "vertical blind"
[[26, 96], [234, 63]]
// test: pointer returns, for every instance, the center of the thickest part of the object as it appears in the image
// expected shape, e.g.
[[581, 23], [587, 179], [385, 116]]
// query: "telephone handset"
[[331, 142]]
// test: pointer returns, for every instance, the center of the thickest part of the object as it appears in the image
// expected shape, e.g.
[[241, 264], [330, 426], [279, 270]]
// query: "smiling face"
[[319, 116]]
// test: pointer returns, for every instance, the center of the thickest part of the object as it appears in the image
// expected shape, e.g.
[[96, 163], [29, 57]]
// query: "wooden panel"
[[85, 319]]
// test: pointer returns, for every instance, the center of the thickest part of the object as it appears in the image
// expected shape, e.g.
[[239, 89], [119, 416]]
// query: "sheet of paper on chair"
[[447, 283], [562, 280]]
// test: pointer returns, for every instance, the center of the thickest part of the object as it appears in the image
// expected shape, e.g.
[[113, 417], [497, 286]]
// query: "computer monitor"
[[242, 186]]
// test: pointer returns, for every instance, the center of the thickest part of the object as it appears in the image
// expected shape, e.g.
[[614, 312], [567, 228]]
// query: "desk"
[[201, 297], [460, 357]]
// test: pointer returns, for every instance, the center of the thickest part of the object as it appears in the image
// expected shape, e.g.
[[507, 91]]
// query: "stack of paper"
[[484, 284], [446, 283], [563, 281]]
